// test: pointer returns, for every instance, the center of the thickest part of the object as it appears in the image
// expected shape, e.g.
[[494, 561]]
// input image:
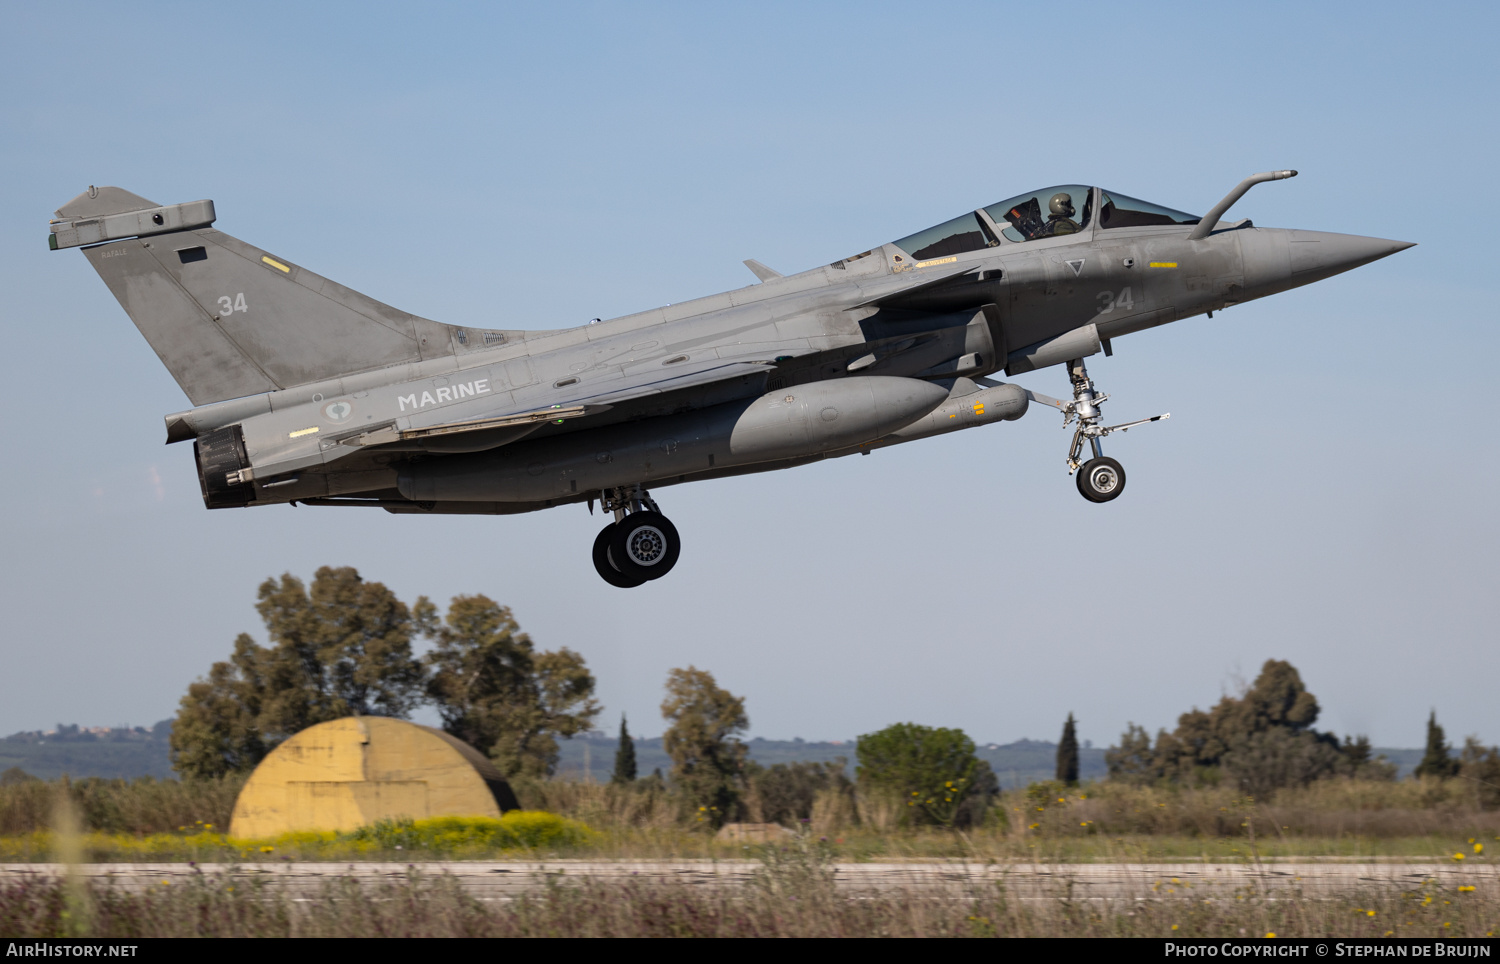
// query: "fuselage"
[[310, 392], [851, 319]]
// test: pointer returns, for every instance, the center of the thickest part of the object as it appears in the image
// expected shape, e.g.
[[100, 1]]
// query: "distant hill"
[[138, 752], [95, 752], [1016, 764]]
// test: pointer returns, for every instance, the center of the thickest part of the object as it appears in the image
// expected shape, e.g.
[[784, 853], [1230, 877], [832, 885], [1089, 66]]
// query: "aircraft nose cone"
[[1330, 254]]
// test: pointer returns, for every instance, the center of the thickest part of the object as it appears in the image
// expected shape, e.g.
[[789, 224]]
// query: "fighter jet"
[[306, 392]]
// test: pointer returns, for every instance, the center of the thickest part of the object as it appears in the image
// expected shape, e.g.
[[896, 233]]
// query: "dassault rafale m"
[[307, 392]]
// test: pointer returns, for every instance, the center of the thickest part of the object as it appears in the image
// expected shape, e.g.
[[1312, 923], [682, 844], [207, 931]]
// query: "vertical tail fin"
[[226, 318]]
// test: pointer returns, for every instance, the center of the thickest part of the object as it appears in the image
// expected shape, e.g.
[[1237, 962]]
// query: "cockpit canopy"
[[1049, 213]]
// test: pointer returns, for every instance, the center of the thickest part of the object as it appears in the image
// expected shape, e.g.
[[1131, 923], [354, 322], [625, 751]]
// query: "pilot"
[[1060, 221]]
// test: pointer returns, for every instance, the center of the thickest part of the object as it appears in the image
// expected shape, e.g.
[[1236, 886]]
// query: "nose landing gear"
[[1099, 479], [640, 545]]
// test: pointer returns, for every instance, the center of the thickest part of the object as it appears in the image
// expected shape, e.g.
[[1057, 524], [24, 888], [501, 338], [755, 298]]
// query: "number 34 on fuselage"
[[305, 391]]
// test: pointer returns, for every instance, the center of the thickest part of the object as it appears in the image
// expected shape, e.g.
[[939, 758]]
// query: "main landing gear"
[[1100, 479], [640, 545]]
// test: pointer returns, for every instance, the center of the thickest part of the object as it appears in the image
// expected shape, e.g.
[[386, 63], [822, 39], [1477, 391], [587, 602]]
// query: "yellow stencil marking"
[[281, 267], [979, 409], [302, 431], [1164, 264], [926, 264]]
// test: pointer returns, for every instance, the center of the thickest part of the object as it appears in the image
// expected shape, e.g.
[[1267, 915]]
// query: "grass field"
[[170, 820], [792, 894]]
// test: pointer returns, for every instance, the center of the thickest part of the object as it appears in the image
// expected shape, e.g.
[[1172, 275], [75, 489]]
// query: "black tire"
[[1101, 480], [644, 545], [606, 567]]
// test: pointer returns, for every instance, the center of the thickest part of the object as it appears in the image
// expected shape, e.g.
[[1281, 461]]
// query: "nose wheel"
[[1100, 479], [640, 545]]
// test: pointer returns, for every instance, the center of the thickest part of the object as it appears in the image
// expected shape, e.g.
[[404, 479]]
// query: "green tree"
[[707, 757], [1280, 756], [339, 649], [1478, 764], [1248, 727], [1438, 760], [1067, 755], [1133, 761], [218, 726], [1361, 762], [625, 771], [786, 792], [494, 691], [932, 769]]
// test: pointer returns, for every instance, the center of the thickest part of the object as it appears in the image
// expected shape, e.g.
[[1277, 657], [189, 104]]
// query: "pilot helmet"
[[1062, 204]]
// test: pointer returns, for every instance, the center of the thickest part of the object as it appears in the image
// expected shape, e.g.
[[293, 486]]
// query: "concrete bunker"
[[348, 773]]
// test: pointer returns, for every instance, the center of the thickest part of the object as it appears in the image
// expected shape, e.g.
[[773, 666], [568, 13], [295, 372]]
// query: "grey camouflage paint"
[[307, 391]]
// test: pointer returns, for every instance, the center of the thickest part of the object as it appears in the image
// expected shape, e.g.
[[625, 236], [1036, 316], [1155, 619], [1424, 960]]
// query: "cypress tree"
[[1437, 761], [1067, 755], [624, 757]]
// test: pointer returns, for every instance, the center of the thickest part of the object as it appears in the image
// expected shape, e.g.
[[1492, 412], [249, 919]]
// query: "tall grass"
[[138, 806], [1325, 809], [781, 902], [171, 820]]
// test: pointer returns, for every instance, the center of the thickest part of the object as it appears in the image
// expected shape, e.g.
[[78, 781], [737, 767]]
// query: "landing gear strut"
[[1100, 479], [640, 545]]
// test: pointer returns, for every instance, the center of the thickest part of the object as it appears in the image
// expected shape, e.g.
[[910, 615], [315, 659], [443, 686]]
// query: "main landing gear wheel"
[[640, 545], [644, 545], [1101, 480], [606, 567]]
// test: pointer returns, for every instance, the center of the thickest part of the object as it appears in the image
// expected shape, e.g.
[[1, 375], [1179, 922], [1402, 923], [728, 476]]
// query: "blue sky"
[[1321, 494]]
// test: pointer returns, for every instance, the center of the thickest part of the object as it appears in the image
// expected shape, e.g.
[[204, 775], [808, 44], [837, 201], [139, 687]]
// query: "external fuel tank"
[[804, 420]]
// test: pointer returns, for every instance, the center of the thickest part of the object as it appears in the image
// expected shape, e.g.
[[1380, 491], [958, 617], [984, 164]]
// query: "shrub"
[[786, 792], [528, 829], [932, 770]]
